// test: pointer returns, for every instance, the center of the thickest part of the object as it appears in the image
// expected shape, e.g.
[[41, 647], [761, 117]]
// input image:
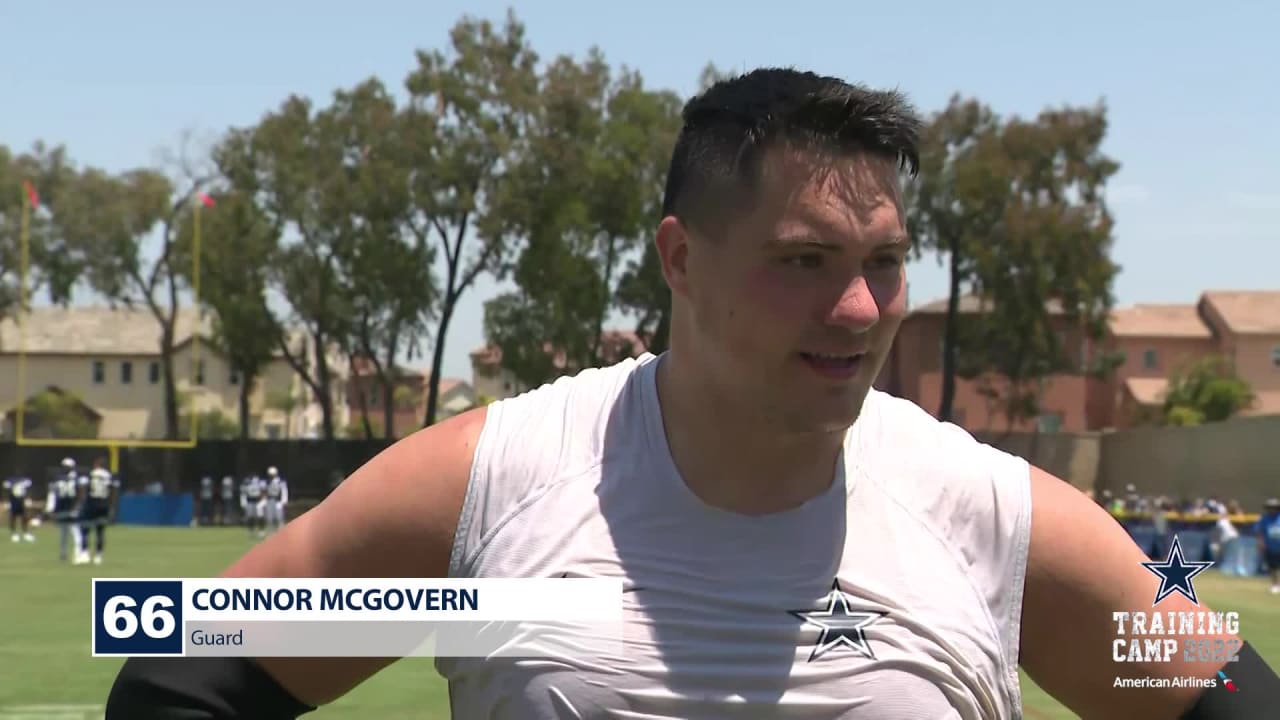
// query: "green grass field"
[[48, 672]]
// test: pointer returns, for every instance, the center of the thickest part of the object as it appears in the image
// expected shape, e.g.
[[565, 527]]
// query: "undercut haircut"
[[727, 130]]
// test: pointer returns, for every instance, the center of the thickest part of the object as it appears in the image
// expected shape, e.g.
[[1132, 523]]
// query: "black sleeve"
[[1256, 695], [199, 689]]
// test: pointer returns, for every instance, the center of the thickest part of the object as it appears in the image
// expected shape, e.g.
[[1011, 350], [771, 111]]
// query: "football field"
[[48, 673]]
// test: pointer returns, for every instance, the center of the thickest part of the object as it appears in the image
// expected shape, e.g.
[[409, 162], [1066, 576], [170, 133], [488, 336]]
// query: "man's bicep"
[[394, 517], [1083, 568]]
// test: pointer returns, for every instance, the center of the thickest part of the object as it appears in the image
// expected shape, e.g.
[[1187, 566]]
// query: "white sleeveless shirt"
[[914, 558]]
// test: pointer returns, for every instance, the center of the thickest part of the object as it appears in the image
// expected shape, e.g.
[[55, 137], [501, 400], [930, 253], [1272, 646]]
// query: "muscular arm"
[[394, 517], [1082, 567]]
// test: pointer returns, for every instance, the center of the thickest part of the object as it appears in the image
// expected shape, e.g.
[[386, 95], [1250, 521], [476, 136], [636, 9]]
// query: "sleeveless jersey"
[[62, 492], [18, 487], [100, 484], [894, 595], [253, 488], [276, 489]]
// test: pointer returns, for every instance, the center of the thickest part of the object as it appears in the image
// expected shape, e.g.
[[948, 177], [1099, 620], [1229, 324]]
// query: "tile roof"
[[1156, 320], [94, 330], [971, 304], [1247, 311]]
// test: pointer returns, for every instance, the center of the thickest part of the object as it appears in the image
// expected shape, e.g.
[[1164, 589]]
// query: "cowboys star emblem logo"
[[1175, 574], [841, 626]]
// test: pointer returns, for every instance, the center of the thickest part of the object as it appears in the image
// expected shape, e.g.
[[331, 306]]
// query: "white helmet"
[[271, 471], [68, 463]]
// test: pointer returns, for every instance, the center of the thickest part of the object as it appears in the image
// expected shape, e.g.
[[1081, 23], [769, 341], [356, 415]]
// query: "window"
[[153, 371], [99, 372], [200, 372], [126, 372], [233, 377], [1049, 422], [1150, 360], [1275, 356]]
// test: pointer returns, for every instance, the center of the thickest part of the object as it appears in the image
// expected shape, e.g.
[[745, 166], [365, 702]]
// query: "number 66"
[[122, 623]]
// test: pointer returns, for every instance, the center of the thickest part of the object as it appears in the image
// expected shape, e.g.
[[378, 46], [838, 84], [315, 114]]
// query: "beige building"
[[109, 360]]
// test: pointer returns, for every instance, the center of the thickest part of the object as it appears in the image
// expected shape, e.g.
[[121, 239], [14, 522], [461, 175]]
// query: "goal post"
[[112, 445]]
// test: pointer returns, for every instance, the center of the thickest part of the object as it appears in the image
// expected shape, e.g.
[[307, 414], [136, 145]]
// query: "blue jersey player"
[[18, 489]]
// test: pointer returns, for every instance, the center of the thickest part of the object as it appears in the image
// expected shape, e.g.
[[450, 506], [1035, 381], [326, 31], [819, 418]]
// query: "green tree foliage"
[[238, 244], [469, 109], [1016, 208], [583, 196], [53, 265], [1207, 390]]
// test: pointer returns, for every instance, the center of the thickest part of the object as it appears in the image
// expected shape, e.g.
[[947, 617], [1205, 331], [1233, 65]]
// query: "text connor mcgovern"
[[415, 599]]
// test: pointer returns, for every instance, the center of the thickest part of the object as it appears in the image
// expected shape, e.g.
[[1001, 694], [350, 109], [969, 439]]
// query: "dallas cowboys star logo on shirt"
[[841, 627], [1175, 574]]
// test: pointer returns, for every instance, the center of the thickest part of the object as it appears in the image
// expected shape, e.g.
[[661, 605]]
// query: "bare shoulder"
[[1082, 569], [394, 517]]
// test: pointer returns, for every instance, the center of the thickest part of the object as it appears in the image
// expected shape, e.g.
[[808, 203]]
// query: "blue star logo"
[[1175, 574], [841, 627]]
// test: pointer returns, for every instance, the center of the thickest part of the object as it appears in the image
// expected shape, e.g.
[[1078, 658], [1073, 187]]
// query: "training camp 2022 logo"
[[1168, 636]]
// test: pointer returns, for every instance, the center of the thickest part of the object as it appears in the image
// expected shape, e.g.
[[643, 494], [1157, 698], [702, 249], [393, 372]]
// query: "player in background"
[[99, 493], [227, 502], [277, 498], [1269, 541], [206, 501], [18, 488], [61, 507], [253, 501]]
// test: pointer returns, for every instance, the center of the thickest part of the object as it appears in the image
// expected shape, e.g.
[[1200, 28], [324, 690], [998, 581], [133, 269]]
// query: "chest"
[[815, 619]]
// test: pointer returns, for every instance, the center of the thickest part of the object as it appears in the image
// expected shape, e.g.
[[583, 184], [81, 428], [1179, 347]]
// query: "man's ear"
[[673, 252]]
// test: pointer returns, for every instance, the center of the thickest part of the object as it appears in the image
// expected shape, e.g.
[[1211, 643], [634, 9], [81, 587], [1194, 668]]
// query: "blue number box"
[[137, 617]]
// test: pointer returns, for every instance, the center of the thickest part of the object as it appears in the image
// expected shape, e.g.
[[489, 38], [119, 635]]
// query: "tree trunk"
[[949, 334], [437, 359]]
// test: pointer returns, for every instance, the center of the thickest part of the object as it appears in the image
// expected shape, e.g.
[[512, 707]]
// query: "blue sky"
[[1191, 90]]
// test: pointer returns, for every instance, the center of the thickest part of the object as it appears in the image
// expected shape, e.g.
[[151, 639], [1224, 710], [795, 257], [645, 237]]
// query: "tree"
[[466, 113], [387, 268], [53, 265], [237, 247], [109, 219], [1018, 208], [284, 164], [949, 209], [57, 413], [582, 194], [1207, 390]]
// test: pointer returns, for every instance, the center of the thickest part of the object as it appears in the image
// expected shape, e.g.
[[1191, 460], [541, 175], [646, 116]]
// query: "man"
[[18, 488], [277, 497], [744, 485], [1269, 541], [98, 495], [206, 501], [227, 506], [62, 506], [253, 502]]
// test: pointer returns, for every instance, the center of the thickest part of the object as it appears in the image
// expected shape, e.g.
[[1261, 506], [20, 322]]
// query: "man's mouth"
[[832, 364]]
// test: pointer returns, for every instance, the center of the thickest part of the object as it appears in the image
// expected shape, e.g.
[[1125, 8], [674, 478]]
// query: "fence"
[[312, 467]]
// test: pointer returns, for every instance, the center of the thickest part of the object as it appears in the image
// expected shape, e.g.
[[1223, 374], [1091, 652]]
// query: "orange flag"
[[208, 201], [31, 193]]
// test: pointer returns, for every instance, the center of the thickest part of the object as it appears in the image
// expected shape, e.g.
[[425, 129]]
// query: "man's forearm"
[[199, 689], [1256, 695]]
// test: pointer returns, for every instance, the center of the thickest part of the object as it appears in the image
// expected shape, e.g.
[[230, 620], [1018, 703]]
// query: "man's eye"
[[887, 261], [813, 260]]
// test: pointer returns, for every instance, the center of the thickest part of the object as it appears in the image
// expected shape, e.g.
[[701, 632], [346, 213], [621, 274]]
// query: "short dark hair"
[[729, 126]]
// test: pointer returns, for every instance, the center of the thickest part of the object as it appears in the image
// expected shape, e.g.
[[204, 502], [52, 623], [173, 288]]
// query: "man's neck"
[[735, 462]]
